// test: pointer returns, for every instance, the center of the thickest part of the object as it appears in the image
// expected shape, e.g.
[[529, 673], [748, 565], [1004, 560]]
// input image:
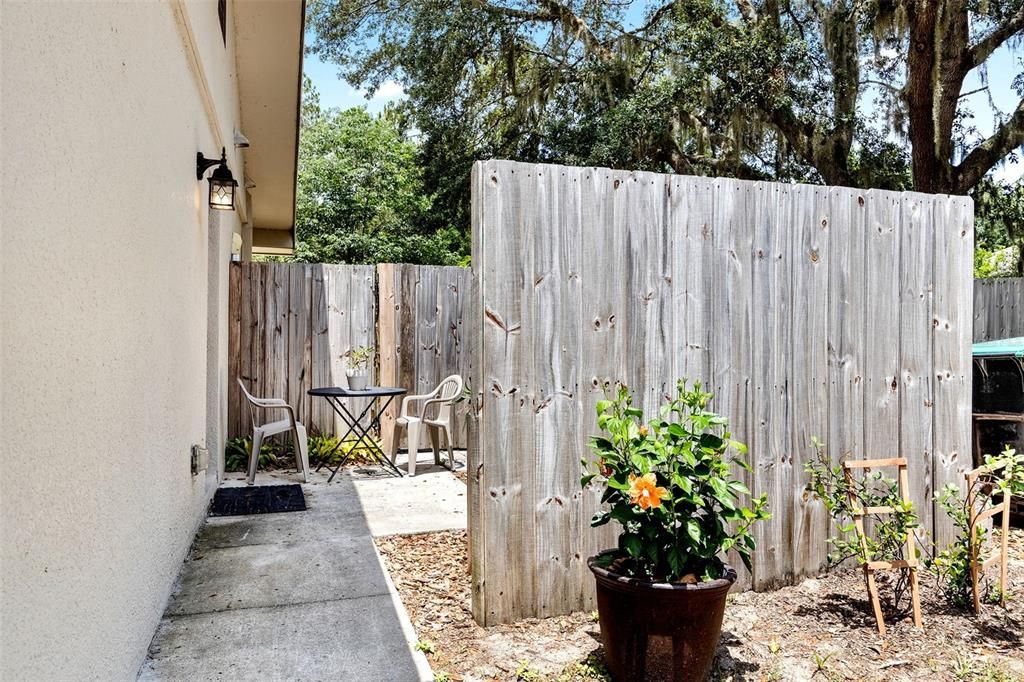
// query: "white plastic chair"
[[259, 433], [443, 400]]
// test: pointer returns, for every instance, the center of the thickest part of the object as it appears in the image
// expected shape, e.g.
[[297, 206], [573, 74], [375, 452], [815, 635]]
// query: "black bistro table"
[[333, 395]]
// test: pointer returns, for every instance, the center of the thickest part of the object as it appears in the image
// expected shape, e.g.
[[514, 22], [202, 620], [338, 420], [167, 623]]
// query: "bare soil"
[[822, 629]]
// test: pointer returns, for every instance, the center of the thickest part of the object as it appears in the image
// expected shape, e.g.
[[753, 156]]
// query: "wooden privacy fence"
[[291, 323], [808, 311], [998, 308]]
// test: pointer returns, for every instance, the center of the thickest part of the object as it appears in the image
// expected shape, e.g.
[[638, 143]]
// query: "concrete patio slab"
[[303, 595], [348, 639], [430, 501], [256, 576]]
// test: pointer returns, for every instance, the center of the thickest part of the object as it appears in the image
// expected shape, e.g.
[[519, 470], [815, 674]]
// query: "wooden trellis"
[[976, 490], [859, 512]]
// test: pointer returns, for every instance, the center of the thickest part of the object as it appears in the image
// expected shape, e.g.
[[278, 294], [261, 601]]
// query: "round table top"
[[368, 392]]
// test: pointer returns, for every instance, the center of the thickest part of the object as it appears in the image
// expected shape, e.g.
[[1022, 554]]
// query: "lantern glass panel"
[[222, 194]]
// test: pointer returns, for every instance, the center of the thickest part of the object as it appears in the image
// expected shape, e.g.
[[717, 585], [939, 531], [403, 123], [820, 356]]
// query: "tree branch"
[[655, 18], [882, 84], [978, 53], [574, 24], [514, 13], [747, 11], [555, 12], [982, 158]]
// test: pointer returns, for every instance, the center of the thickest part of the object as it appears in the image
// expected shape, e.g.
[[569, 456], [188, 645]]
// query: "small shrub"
[[953, 564], [324, 449], [591, 669], [236, 454], [426, 646], [524, 673], [887, 540], [669, 484]]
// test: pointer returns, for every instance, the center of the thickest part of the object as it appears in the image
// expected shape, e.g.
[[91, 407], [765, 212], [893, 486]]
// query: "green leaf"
[[693, 530], [739, 488], [676, 561], [618, 481], [633, 544]]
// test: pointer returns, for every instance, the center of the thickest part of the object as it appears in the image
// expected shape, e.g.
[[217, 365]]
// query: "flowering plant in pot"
[[357, 366], [669, 484]]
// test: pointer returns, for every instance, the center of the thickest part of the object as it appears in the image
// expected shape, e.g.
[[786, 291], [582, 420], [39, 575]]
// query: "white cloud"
[[389, 90]]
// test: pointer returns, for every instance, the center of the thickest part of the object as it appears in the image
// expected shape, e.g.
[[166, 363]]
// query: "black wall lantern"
[[222, 183]]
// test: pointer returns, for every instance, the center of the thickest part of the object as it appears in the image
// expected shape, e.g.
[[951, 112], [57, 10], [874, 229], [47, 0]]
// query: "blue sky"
[[1002, 67]]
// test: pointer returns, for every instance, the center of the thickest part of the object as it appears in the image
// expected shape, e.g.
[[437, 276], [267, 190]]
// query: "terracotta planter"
[[659, 631]]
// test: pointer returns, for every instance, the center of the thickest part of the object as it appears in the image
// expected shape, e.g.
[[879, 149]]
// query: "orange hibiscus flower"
[[644, 491]]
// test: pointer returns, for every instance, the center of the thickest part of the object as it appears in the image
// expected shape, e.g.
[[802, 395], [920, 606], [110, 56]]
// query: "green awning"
[[1001, 348]]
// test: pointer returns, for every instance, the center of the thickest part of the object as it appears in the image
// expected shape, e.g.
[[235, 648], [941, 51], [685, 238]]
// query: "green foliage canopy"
[[360, 194]]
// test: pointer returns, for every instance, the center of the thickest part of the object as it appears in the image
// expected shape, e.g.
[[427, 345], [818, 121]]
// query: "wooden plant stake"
[[974, 519], [870, 567]]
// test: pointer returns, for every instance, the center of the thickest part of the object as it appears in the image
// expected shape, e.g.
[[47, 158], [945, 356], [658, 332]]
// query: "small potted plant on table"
[[661, 593], [357, 366]]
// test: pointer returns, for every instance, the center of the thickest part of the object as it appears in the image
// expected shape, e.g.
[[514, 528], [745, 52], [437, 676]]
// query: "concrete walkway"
[[303, 595]]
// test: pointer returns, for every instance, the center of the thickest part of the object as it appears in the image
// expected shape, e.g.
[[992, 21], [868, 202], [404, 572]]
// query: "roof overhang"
[[268, 54]]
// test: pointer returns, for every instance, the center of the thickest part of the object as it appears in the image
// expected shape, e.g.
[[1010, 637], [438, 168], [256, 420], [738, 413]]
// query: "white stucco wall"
[[113, 356]]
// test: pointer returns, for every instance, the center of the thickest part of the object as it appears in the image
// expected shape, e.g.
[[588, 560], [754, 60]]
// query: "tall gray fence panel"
[[808, 311]]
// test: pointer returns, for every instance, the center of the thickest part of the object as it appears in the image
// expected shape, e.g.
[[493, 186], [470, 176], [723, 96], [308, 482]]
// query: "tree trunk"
[[937, 63]]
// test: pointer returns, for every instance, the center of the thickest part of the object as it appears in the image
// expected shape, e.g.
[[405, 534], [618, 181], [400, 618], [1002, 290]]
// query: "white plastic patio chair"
[[259, 433], [443, 400]]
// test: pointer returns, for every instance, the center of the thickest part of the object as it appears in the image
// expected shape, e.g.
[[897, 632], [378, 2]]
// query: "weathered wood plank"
[[507, 439], [846, 222], [556, 322], [809, 349], [601, 276], [428, 321], [321, 415], [640, 216], [729, 319], [691, 219], [953, 219], [915, 347], [388, 344], [276, 331], [880, 298], [771, 334], [235, 274], [299, 340], [476, 489]]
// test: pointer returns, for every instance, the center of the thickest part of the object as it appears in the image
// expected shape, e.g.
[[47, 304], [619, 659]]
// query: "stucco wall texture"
[[113, 287]]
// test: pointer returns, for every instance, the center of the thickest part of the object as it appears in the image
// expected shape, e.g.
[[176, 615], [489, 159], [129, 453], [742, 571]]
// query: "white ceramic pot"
[[357, 380]]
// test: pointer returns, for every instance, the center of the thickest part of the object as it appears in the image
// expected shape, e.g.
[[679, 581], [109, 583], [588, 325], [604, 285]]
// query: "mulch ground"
[[821, 629]]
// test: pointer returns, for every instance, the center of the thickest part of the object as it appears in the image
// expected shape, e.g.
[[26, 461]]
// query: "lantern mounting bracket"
[[203, 163]]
